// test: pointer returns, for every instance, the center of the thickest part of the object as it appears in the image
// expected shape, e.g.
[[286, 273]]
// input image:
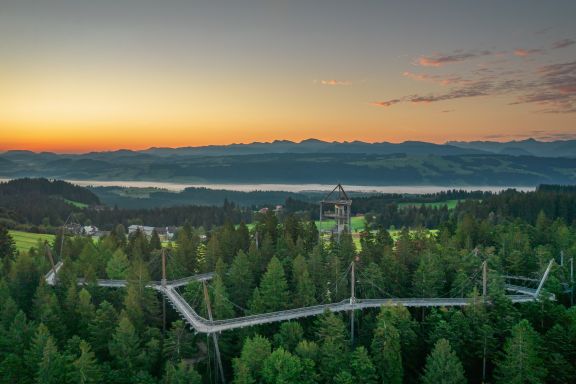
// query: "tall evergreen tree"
[[304, 289], [273, 291], [386, 352], [443, 366], [521, 361], [241, 279], [361, 366], [85, 368]]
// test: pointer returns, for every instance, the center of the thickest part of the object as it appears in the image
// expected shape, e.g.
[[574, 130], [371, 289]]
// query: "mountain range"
[[515, 163]]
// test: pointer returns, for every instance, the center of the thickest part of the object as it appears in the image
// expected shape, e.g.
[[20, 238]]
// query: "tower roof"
[[338, 195]]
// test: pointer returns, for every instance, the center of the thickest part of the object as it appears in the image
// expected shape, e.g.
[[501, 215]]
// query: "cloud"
[[474, 90], [563, 43], [439, 59], [386, 103], [527, 52], [334, 82], [437, 79], [555, 89]]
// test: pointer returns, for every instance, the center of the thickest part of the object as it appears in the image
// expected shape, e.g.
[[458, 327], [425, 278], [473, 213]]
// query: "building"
[[165, 233], [335, 211]]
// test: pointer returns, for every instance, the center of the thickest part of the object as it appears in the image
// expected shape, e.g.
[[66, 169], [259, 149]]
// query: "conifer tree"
[[181, 374], [386, 352], [521, 361], [361, 366], [117, 266], [53, 368], [254, 351], [241, 279], [443, 366], [282, 367], [273, 291], [222, 307], [304, 287], [85, 367], [101, 327]]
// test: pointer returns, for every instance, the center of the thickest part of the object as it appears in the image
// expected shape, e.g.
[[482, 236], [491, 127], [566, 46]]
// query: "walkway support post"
[[49, 254], [484, 280], [163, 286], [352, 298], [544, 277], [214, 337]]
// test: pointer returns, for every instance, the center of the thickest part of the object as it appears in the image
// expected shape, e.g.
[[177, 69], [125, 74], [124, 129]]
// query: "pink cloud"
[[334, 82], [439, 60], [527, 52]]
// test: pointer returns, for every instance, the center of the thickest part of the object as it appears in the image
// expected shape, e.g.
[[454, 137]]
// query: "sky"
[[85, 75]]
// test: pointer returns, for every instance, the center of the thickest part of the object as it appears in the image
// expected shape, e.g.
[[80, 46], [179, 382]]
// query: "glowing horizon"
[[92, 76]]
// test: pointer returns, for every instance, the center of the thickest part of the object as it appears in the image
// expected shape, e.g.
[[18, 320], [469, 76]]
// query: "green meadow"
[[26, 240]]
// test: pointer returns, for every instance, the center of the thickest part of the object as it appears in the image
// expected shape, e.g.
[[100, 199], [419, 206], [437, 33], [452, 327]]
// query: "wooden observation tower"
[[335, 213]]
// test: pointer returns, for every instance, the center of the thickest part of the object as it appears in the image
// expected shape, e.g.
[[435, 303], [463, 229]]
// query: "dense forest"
[[89, 334]]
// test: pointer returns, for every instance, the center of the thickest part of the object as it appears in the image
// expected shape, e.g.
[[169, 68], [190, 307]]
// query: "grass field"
[[76, 203], [451, 204], [25, 240]]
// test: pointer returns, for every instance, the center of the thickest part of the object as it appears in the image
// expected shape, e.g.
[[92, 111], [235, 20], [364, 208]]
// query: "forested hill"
[[297, 168], [41, 201], [51, 188]]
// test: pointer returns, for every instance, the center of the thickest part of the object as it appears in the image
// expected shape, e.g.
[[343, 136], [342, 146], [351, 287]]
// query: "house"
[[73, 229], [89, 230], [166, 233], [142, 228]]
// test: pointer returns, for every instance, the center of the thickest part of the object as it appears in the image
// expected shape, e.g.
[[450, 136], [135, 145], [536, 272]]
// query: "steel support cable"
[[462, 285], [381, 290], [245, 310]]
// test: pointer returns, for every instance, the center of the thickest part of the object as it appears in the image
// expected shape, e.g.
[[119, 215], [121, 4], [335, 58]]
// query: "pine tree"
[[241, 279], [102, 325], [254, 351], [331, 333], [429, 277], [155, 243], [181, 374], [117, 266], [304, 286], [273, 290], [282, 367], [85, 311], [362, 367], [289, 335], [443, 366], [178, 344], [53, 368], [7, 249], [386, 352], [242, 374], [33, 356], [521, 362], [222, 307], [85, 368], [125, 346]]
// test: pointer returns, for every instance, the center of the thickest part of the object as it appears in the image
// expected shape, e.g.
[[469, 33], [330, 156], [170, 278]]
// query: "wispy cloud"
[[439, 59], [520, 52], [550, 88], [563, 43], [555, 89], [438, 79], [334, 82]]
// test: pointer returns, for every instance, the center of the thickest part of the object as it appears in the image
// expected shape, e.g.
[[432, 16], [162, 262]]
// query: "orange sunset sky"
[[79, 76]]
